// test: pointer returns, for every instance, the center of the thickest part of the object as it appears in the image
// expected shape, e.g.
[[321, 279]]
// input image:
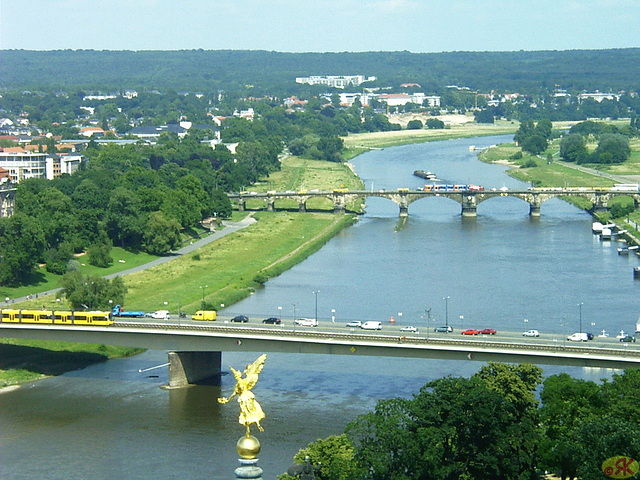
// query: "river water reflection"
[[111, 421]]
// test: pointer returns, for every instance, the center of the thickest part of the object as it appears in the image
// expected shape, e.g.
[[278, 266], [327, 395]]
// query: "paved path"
[[229, 227], [593, 171]]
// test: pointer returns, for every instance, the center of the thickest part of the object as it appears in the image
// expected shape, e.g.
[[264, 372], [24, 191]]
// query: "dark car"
[[272, 320], [240, 318], [589, 336], [443, 329], [628, 338]]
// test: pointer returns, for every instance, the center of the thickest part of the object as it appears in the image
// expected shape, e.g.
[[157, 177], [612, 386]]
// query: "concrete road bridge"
[[469, 200], [195, 349]]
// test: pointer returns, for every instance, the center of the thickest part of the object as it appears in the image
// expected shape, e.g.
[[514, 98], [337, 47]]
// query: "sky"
[[417, 26]]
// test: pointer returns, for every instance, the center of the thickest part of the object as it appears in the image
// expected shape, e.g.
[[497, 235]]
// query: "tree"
[[435, 124], [22, 244], [161, 235], [330, 148], [92, 292], [454, 428], [333, 456], [414, 125], [484, 116], [99, 252], [534, 144], [573, 148], [612, 148], [220, 204]]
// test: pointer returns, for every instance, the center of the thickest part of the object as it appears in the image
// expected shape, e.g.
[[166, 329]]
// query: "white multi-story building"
[[335, 81], [24, 165], [598, 96]]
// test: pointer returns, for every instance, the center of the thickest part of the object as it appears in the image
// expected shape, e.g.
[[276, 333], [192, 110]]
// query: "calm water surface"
[[110, 421]]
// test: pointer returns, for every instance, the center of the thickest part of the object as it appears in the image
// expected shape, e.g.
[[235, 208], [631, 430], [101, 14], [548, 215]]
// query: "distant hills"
[[262, 72]]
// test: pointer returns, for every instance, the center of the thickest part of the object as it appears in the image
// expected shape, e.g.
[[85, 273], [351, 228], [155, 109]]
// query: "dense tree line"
[[489, 426], [257, 73], [613, 142]]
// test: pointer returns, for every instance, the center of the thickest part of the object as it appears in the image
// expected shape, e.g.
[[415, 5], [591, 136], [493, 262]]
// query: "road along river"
[[503, 270]]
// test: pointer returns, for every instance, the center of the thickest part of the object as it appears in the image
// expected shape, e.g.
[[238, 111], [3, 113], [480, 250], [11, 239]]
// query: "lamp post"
[[446, 310], [462, 322], [316, 292], [428, 313], [580, 305], [294, 316], [203, 287]]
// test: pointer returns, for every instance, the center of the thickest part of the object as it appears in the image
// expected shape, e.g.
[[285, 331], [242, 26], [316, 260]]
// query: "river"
[[502, 270]]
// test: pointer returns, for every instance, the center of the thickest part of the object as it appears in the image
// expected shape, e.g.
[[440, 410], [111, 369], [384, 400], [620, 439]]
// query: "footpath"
[[229, 228]]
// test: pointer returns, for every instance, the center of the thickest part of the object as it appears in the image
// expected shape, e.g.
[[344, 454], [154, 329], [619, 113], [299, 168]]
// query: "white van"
[[371, 325], [578, 337]]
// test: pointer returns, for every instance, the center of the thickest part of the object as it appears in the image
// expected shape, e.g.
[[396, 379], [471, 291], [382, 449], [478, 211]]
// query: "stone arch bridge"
[[469, 200]]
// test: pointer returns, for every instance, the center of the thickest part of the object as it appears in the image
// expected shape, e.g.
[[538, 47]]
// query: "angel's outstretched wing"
[[253, 370]]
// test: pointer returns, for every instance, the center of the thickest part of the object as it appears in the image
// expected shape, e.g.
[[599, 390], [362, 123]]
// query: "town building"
[[21, 165], [598, 96], [335, 81]]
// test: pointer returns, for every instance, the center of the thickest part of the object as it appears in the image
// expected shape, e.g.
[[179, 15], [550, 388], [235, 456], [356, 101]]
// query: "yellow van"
[[209, 315]]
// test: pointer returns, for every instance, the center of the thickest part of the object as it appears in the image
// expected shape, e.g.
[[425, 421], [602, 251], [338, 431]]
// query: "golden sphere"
[[248, 447]]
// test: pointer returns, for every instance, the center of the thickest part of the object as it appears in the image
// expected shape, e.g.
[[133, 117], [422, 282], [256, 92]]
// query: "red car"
[[469, 331], [487, 331]]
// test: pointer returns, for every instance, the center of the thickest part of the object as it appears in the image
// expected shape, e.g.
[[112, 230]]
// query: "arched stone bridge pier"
[[468, 200]]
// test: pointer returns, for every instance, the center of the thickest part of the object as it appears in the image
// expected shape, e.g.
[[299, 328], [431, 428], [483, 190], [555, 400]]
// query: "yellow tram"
[[51, 317]]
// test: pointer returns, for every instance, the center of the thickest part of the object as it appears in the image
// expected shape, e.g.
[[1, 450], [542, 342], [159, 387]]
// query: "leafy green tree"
[[124, 223], [573, 148], [566, 404], [454, 428], [484, 116], [332, 457], [534, 144], [22, 243], [99, 253], [92, 292], [220, 204], [414, 125], [161, 235], [330, 148], [434, 124], [182, 207], [612, 148], [58, 258]]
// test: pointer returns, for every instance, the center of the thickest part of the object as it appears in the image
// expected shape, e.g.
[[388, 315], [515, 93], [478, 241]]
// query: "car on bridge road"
[[272, 320], [487, 331], [628, 339], [306, 322], [531, 333], [240, 318], [410, 328], [355, 323], [469, 331], [443, 329]]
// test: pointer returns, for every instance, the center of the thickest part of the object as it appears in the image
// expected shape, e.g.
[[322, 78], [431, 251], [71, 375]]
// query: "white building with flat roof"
[[24, 165], [335, 81]]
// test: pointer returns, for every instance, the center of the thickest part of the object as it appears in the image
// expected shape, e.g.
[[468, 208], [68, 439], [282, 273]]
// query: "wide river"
[[502, 270]]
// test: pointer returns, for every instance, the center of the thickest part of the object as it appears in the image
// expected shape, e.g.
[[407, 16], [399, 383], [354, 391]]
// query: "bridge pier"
[[241, 205], [469, 206], [534, 210], [404, 211], [186, 368], [302, 207], [271, 204]]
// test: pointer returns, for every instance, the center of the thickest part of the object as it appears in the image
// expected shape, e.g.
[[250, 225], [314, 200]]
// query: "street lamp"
[[203, 287], [462, 322], [316, 292], [294, 316], [428, 313], [580, 305], [446, 310]]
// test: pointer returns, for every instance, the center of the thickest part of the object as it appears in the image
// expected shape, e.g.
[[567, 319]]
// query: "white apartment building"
[[598, 96], [24, 165], [335, 81]]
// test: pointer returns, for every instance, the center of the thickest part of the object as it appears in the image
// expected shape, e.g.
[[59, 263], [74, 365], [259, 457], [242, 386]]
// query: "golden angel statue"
[[250, 410]]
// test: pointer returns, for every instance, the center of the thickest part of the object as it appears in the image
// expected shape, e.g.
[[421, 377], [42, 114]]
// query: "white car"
[[355, 323], [410, 328], [161, 314], [306, 322], [531, 333]]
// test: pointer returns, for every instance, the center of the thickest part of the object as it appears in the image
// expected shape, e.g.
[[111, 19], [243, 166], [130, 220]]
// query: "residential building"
[[21, 165], [598, 96], [335, 81]]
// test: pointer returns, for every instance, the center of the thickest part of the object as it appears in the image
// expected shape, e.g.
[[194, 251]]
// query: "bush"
[[414, 125]]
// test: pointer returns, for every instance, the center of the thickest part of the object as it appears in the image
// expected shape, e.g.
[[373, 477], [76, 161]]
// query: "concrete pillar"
[[302, 207], [404, 210], [270, 204], [534, 210], [187, 368], [241, 205], [469, 207], [339, 207]]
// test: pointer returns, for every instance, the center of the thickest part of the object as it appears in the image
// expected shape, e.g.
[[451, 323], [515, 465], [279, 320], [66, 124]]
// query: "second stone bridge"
[[469, 200]]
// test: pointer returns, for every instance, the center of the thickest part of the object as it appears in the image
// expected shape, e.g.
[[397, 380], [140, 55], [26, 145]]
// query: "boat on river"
[[427, 175]]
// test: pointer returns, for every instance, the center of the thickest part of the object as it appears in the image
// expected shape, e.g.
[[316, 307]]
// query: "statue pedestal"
[[248, 469]]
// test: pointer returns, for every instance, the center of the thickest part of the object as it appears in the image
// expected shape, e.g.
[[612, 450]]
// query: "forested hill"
[[274, 73]]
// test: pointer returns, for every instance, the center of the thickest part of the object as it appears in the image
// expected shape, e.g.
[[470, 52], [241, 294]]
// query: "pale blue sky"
[[320, 25]]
